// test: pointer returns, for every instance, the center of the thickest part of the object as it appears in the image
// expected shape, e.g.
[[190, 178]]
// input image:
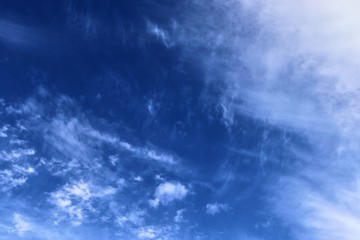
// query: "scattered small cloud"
[[215, 208], [146, 233], [168, 192], [3, 131], [138, 179], [150, 107], [179, 217], [76, 200], [134, 217]]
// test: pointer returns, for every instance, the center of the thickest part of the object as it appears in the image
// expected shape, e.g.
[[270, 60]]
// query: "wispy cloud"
[[161, 34], [149, 153], [21, 225], [71, 135], [54, 139], [83, 20], [16, 154], [294, 65], [20, 35], [134, 217]]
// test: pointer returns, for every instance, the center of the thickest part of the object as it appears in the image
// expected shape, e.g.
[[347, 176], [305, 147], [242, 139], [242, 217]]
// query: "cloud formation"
[[94, 181], [168, 192], [215, 208], [21, 225], [77, 199], [295, 66]]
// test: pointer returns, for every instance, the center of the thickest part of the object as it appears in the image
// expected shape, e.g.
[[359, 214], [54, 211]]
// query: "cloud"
[[215, 208], [147, 233], [295, 66], [138, 179], [3, 131], [18, 34], [54, 140], [315, 51], [165, 232], [24, 226], [75, 160], [75, 201], [14, 177], [16, 154], [179, 217], [72, 139], [21, 225], [160, 35], [135, 217], [148, 153], [18, 158], [168, 192]]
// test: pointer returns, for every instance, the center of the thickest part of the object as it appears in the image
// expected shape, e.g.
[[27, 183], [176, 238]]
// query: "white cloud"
[[148, 153], [179, 217], [146, 233], [34, 226], [3, 131], [79, 189], [75, 201], [159, 33], [215, 208], [16, 154], [114, 159], [311, 57], [74, 137], [21, 225], [159, 178], [168, 192], [135, 217], [70, 146], [150, 107], [326, 211], [19, 170], [138, 179], [161, 157], [71, 135], [294, 64]]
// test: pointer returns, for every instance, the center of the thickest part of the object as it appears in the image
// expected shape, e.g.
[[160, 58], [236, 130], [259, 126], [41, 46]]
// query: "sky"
[[191, 120]]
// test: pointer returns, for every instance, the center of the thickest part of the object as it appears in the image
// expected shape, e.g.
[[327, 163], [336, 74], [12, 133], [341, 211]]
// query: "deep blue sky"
[[174, 120]]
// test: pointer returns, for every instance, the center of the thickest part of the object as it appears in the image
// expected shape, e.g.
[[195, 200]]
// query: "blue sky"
[[194, 119]]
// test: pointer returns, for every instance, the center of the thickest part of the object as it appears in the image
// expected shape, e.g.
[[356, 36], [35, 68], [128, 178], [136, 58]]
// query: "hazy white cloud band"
[[294, 64]]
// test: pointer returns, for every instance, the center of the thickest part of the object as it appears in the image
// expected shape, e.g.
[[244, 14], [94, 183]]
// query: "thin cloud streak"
[[20, 35]]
